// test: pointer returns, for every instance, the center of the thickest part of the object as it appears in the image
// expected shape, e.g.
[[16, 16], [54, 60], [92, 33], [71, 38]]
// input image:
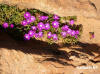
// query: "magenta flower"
[[56, 17], [71, 22], [77, 32], [42, 18], [69, 31], [36, 35], [27, 15], [27, 37], [47, 26], [28, 21], [55, 37], [40, 34], [5, 25], [65, 28], [55, 24], [31, 33], [34, 28], [40, 26], [32, 18], [73, 33], [24, 23], [93, 36], [76, 36], [49, 34], [11, 25], [64, 34]]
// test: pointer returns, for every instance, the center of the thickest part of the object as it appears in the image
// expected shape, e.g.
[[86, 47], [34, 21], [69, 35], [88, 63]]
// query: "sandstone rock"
[[60, 7], [97, 5]]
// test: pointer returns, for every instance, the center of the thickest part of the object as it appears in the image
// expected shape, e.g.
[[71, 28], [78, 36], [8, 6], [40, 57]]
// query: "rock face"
[[97, 5], [60, 7], [35, 58]]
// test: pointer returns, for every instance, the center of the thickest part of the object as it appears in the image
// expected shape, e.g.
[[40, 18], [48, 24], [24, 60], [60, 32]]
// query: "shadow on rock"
[[35, 47], [87, 48]]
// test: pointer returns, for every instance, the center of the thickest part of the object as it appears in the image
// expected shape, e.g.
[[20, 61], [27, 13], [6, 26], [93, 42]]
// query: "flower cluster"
[[37, 31], [28, 19], [36, 24]]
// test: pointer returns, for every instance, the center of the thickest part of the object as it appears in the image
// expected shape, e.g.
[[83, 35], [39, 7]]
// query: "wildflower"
[[76, 36], [77, 32], [42, 18], [47, 26], [27, 37], [49, 34], [55, 24], [5, 25], [64, 34], [36, 35], [40, 34], [28, 21], [65, 28], [40, 26], [32, 18], [27, 15], [73, 33], [55, 37], [71, 22], [11, 25], [34, 28], [24, 23], [69, 31], [56, 17], [31, 33]]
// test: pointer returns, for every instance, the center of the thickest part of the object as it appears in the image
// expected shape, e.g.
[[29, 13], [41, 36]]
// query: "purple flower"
[[55, 37], [31, 33], [49, 34], [34, 28], [47, 26], [55, 24], [93, 36], [73, 33], [77, 32], [27, 37], [36, 35], [76, 36], [71, 22], [32, 18], [69, 31], [56, 17], [24, 23], [11, 25], [64, 34], [42, 18], [28, 21], [65, 28], [27, 15], [40, 26], [40, 34], [5, 25]]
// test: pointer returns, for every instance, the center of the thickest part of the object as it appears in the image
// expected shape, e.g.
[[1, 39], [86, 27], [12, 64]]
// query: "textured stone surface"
[[60, 7], [21, 58], [27, 58]]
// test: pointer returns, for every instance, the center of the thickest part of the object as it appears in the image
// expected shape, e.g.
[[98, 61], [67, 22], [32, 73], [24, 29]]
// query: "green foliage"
[[10, 14], [14, 15]]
